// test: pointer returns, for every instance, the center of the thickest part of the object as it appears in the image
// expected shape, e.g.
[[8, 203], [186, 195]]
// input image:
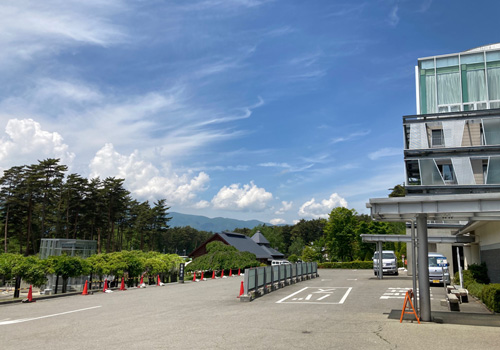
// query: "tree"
[[340, 232], [398, 191], [221, 256]]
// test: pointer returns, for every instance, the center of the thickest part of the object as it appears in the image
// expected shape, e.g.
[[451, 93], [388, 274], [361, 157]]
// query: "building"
[[452, 146], [452, 164], [257, 244]]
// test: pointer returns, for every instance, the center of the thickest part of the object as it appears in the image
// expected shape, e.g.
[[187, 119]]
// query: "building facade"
[[452, 145]]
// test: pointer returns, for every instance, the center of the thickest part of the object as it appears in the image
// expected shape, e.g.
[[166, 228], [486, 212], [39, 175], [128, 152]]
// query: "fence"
[[262, 280]]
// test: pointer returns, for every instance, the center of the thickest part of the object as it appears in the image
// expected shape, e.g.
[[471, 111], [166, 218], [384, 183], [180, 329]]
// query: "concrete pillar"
[[380, 261], [414, 264], [423, 269]]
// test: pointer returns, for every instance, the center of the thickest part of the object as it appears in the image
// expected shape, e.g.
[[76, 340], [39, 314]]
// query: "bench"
[[453, 302]]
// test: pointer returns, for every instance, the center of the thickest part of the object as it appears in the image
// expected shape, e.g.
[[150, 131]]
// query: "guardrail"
[[262, 280]]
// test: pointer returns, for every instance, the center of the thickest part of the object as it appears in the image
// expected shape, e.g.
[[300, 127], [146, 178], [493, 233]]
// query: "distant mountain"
[[204, 223]]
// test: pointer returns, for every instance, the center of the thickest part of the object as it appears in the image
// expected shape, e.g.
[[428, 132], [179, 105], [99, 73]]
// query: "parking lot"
[[342, 309]]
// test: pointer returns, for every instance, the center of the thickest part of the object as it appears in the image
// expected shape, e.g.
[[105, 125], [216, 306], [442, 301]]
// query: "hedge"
[[489, 294], [346, 265]]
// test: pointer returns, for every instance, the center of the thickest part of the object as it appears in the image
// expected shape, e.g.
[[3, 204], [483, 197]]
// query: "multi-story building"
[[452, 145]]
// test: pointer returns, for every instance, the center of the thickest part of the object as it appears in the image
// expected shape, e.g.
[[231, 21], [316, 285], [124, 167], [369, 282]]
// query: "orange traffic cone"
[[239, 272], [201, 276], [85, 290], [158, 280], [30, 294], [105, 285], [230, 273], [122, 286], [242, 290], [213, 275]]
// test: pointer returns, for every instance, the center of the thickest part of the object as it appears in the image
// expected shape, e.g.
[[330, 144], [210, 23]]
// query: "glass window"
[[437, 138], [447, 61], [492, 56], [447, 172], [493, 171], [475, 58], [427, 64], [448, 87], [491, 129], [429, 172]]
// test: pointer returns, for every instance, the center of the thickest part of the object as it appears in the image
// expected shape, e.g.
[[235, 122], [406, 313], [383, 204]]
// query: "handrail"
[[262, 280]]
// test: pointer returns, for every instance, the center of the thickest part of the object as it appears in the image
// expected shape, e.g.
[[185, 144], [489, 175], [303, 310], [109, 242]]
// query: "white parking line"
[[38, 318], [333, 292]]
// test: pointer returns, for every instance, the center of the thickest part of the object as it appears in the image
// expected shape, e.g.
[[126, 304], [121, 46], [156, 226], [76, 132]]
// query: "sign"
[[181, 273]]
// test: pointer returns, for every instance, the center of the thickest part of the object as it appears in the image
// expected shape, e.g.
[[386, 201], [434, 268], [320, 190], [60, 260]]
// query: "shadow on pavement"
[[449, 317]]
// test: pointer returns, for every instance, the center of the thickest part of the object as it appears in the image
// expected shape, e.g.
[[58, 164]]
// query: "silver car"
[[438, 269], [389, 261]]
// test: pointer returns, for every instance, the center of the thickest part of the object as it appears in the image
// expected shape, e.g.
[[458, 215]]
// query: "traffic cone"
[[85, 290], [122, 286], [30, 294], [239, 272], [230, 273], [201, 276], [158, 280], [105, 285], [213, 275], [242, 290]]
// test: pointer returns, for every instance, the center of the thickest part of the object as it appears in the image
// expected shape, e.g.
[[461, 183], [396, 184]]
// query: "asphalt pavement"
[[341, 309]]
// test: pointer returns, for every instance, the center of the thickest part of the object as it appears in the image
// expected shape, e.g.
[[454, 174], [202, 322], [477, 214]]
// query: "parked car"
[[438, 268], [389, 263], [279, 262]]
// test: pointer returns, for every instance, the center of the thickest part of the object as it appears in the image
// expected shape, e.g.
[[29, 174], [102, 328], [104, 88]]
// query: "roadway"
[[341, 309]]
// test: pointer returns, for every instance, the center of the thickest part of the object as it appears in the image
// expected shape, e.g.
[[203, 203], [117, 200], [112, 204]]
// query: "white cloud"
[[144, 180], [313, 209], [385, 152], [26, 143], [349, 137], [277, 221], [285, 206], [393, 16], [201, 204], [32, 28], [249, 197], [73, 91]]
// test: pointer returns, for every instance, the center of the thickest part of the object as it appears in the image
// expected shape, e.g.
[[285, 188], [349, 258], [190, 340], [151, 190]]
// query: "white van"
[[389, 263], [438, 268], [279, 262]]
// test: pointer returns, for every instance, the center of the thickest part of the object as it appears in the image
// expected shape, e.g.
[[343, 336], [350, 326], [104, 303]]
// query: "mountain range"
[[204, 223]]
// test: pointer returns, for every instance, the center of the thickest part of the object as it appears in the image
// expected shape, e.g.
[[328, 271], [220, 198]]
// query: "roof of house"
[[259, 238], [245, 244]]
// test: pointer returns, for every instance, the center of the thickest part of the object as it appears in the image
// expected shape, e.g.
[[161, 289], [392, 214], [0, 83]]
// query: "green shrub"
[[479, 273], [346, 265], [491, 296]]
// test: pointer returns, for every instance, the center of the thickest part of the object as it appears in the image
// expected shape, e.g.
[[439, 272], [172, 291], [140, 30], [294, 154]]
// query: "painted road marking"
[[397, 293], [316, 295], [38, 318]]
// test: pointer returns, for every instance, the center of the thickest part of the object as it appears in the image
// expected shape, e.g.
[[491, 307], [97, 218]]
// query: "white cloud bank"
[[285, 206], [144, 180], [249, 197], [313, 209], [25, 142]]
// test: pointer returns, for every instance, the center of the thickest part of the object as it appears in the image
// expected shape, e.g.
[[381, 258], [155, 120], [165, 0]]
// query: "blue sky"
[[274, 110]]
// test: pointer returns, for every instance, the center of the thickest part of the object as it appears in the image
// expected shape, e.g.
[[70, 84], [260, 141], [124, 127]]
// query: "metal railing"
[[262, 280]]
